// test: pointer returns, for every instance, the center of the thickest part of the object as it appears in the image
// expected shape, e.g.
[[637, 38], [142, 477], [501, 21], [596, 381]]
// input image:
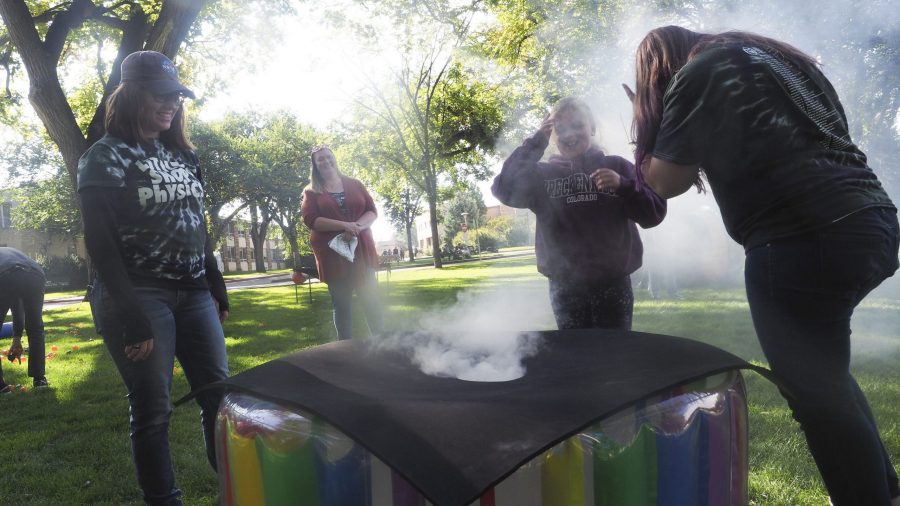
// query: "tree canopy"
[[464, 81]]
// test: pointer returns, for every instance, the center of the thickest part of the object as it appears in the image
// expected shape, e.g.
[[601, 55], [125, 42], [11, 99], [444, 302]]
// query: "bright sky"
[[316, 73]]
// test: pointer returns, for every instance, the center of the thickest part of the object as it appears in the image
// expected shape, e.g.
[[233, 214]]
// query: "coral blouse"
[[357, 201]]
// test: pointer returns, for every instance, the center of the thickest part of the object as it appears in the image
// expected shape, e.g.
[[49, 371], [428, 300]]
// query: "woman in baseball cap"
[[159, 293]]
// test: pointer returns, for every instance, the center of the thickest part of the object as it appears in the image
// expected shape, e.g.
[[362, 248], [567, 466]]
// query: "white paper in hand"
[[344, 247]]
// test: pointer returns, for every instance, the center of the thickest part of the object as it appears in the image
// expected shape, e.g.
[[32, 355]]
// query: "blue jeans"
[[607, 304], [341, 291], [802, 292], [185, 325]]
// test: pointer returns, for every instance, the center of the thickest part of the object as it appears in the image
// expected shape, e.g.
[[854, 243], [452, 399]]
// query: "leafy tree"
[[54, 38], [275, 147], [45, 204], [404, 206], [430, 125], [499, 227], [465, 210], [223, 168], [550, 49], [40, 33], [370, 155], [436, 127], [48, 206]]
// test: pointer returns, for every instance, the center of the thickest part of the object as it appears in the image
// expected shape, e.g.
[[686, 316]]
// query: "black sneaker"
[[6, 388], [41, 382]]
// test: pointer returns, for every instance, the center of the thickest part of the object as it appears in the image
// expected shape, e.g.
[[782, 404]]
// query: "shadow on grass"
[[69, 445]]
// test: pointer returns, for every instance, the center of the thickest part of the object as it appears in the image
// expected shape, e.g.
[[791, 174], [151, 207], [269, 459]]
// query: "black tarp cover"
[[454, 439]]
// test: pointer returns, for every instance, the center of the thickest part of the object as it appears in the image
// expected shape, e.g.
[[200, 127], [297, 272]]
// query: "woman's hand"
[[139, 351], [223, 315], [547, 125], [351, 230], [15, 350], [606, 179]]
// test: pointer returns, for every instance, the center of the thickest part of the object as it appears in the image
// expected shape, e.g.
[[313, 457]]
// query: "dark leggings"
[[606, 304], [24, 285]]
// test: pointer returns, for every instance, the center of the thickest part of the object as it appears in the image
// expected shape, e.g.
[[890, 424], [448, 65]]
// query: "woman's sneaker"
[[6, 388], [41, 382]]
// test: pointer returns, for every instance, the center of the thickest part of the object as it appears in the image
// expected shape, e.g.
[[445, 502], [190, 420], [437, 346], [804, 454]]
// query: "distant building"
[[238, 254], [504, 210], [423, 233], [34, 243]]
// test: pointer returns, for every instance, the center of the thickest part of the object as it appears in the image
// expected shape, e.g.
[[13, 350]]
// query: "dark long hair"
[[662, 53], [124, 109]]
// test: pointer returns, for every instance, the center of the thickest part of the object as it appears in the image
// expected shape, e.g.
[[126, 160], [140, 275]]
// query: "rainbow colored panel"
[[686, 446]]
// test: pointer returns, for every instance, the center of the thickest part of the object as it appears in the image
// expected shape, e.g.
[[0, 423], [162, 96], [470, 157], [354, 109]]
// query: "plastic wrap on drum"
[[687, 446]]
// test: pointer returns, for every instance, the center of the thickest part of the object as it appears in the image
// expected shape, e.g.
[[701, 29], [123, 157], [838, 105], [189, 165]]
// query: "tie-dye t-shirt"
[[772, 138], [159, 213]]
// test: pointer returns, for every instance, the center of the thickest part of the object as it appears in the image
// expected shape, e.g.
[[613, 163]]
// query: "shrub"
[[68, 272]]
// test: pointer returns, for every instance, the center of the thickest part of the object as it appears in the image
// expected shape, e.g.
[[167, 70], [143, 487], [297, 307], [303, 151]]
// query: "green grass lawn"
[[234, 276], [69, 445]]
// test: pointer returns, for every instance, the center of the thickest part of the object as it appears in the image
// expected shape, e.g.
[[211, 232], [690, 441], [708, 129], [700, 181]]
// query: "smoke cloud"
[[691, 246], [481, 337]]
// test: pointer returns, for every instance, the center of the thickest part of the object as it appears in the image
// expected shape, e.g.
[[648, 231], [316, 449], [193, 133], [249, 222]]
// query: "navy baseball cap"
[[153, 71]]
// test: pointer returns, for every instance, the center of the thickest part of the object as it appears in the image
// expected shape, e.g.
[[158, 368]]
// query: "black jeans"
[[606, 304], [25, 284], [802, 292], [341, 291]]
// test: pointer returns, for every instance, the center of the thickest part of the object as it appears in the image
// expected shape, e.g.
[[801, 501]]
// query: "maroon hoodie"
[[583, 233]]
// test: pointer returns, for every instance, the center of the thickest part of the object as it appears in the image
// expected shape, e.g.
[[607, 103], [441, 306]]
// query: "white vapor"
[[480, 338]]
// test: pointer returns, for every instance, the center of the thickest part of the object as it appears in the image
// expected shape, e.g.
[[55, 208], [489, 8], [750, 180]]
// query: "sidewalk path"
[[280, 279]]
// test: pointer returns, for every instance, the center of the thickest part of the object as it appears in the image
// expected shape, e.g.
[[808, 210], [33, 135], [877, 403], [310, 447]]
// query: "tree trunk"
[[435, 238], [295, 248], [409, 242], [172, 26], [41, 59], [133, 37], [259, 229], [45, 93]]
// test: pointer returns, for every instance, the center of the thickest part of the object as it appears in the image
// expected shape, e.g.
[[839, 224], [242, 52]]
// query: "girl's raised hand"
[[547, 125], [606, 179]]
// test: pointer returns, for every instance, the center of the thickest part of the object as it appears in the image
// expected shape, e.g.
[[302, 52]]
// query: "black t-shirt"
[[160, 213], [772, 138]]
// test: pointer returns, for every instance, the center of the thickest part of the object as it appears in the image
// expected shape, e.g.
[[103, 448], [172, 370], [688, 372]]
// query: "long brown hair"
[[124, 109], [662, 53]]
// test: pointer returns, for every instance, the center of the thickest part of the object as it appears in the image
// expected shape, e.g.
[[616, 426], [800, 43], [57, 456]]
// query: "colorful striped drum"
[[687, 446]]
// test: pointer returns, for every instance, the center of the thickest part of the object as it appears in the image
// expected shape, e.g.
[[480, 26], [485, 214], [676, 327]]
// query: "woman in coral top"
[[334, 204]]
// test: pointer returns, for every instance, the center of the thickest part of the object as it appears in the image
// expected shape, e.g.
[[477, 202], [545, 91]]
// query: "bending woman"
[[769, 133]]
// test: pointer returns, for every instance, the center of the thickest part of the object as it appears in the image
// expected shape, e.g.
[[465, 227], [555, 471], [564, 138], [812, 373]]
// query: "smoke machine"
[[606, 418]]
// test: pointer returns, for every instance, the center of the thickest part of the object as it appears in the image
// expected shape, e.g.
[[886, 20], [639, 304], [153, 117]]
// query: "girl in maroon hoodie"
[[586, 205]]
